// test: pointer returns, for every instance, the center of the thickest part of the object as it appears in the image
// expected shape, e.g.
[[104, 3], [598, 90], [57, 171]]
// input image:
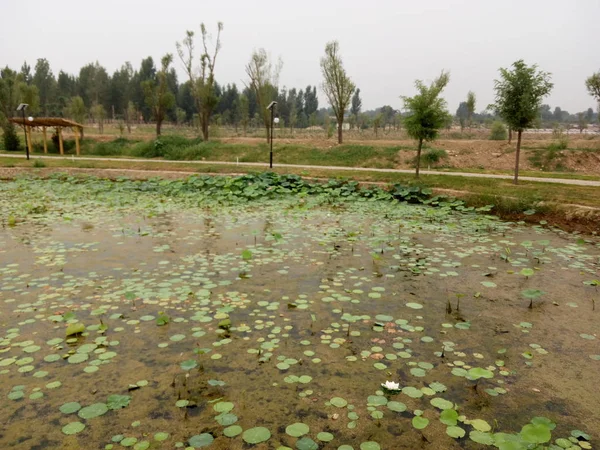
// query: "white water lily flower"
[[391, 386]]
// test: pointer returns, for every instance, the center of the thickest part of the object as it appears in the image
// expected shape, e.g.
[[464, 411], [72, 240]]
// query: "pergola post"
[[45, 140], [29, 145], [60, 140], [76, 131]]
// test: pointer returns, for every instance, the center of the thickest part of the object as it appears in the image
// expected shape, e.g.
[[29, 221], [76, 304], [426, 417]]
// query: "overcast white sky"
[[386, 44]]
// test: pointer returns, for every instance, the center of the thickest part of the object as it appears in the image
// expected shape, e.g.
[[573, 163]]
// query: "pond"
[[148, 316]]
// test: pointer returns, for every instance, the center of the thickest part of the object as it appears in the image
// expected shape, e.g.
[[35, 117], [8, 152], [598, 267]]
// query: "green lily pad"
[[297, 429], [455, 432], [338, 402], [325, 436], [306, 443], [70, 408], [256, 435], [95, 410], [419, 422], [73, 428], [442, 403], [535, 433], [396, 406], [232, 431], [201, 440], [116, 401]]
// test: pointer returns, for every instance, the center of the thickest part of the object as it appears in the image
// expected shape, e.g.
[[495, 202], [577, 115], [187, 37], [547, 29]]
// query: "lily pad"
[[201, 440], [256, 435], [297, 429], [73, 428], [95, 410]]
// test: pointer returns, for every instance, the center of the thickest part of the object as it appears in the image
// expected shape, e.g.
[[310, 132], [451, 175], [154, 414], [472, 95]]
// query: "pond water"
[[160, 323]]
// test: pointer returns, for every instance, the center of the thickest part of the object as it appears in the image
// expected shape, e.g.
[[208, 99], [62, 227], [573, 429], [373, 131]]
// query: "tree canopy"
[[426, 112], [519, 95], [337, 85]]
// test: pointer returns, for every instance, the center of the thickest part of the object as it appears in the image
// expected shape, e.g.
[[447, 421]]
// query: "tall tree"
[[44, 79], [263, 80], [158, 96], [147, 72], [471, 102], [593, 86], [94, 85], [462, 114], [98, 113], [426, 112], [387, 118], [202, 81], [76, 110], [121, 89], [519, 95], [337, 85], [356, 105]]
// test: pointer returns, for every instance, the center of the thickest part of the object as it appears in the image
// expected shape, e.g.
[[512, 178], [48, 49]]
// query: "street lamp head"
[[272, 105], [30, 119], [22, 107]]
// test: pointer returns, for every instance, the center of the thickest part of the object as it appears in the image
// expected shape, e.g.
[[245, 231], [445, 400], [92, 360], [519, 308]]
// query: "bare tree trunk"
[[339, 132], [419, 156], [516, 180], [158, 125], [509, 135]]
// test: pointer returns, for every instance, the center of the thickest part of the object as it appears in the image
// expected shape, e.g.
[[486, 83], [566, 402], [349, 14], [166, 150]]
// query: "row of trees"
[[151, 93]]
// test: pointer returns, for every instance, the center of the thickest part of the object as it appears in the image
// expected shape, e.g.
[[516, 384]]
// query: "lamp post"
[[22, 107], [272, 108]]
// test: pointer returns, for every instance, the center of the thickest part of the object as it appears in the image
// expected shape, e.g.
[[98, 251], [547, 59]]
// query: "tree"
[[519, 94], [377, 123], [157, 94], [589, 115], [121, 89], [75, 109], [462, 113], [558, 115], [94, 85], [44, 79], [147, 72], [337, 85], [388, 114], [356, 105], [471, 101], [98, 113], [427, 112], [130, 115], [593, 86], [202, 81], [10, 137], [264, 78]]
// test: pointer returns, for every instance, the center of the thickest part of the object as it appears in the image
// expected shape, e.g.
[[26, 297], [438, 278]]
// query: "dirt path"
[[360, 169]]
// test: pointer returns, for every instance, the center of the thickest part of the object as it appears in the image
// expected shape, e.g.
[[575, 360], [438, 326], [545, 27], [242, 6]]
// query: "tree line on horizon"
[[155, 94]]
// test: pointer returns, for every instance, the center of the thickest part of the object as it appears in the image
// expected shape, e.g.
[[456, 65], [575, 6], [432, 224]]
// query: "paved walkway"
[[298, 166]]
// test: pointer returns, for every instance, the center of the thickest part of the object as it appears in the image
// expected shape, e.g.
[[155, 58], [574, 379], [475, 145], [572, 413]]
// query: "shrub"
[[39, 163], [498, 132], [562, 142], [433, 156], [10, 138]]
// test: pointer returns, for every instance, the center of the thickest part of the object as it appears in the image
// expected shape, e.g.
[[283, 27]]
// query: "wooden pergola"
[[52, 122]]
